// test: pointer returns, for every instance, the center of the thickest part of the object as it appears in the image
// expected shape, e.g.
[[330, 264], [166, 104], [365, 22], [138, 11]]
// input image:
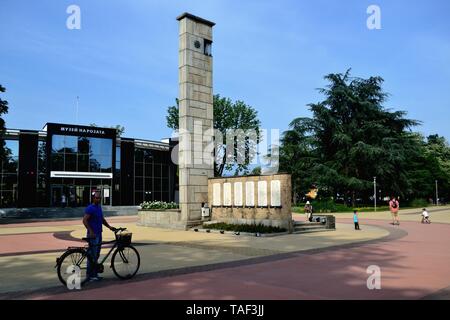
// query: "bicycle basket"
[[124, 239]]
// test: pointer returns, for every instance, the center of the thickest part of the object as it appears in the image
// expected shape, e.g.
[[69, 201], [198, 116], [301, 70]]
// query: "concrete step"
[[301, 223], [194, 223], [312, 230], [309, 228]]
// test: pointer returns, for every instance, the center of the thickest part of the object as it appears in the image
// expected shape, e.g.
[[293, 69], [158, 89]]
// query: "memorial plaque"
[[238, 194], [227, 194], [249, 194], [275, 193], [262, 193], [216, 194]]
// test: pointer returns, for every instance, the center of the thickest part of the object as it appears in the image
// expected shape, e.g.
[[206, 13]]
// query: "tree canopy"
[[352, 138], [228, 115]]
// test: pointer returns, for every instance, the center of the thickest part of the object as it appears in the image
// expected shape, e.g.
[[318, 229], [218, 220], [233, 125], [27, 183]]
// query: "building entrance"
[[79, 193]]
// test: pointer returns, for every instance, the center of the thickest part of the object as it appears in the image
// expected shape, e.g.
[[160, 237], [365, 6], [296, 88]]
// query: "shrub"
[[324, 205], [155, 205], [252, 228], [418, 203]]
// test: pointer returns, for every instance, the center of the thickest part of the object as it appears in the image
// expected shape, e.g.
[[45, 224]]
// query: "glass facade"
[[81, 154], [151, 175], [9, 175], [68, 192], [49, 172], [41, 187], [116, 190]]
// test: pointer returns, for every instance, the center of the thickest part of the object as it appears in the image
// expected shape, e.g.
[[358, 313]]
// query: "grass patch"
[[251, 228]]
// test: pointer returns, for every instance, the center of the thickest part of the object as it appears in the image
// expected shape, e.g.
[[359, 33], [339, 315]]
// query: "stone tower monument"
[[196, 161]]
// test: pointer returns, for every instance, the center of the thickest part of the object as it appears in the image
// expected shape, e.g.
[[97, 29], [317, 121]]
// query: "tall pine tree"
[[350, 139]]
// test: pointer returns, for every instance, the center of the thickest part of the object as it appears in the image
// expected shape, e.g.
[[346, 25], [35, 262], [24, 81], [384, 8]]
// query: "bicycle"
[[125, 261]]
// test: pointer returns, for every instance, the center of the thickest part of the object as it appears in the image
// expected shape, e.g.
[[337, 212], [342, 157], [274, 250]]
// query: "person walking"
[[308, 210], [394, 207], [356, 220], [93, 220], [63, 200]]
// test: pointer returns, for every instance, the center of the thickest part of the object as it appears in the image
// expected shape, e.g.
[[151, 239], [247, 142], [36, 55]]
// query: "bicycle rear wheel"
[[73, 265], [125, 262]]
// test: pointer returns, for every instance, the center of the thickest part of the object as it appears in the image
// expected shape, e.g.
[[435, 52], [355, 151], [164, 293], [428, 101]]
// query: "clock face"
[[197, 44]]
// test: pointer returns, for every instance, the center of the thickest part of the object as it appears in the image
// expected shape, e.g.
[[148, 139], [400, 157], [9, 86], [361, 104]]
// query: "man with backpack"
[[394, 207]]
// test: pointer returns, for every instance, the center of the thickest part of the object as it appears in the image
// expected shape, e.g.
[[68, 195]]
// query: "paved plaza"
[[414, 261]]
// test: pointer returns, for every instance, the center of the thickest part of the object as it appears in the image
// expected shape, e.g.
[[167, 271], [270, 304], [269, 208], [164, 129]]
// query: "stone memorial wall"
[[252, 200]]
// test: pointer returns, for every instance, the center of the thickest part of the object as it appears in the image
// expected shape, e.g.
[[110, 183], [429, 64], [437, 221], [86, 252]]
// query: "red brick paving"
[[125, 219], [32, 243], [38, 242]]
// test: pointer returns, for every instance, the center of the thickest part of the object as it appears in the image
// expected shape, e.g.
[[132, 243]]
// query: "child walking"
[[425, 216], [356, 220]]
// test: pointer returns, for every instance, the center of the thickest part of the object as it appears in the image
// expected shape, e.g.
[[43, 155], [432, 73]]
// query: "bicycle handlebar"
[[119, 230]]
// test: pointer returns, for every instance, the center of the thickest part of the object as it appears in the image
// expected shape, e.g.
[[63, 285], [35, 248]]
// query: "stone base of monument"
[[169, 219], [285, 224]]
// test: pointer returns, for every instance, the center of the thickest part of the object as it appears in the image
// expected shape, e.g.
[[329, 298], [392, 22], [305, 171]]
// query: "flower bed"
[[158, 205], [251, 228], [160, 214]]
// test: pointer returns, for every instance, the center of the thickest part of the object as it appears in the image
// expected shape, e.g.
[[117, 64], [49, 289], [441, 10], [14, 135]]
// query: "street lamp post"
[[437, 194], [375, 192]]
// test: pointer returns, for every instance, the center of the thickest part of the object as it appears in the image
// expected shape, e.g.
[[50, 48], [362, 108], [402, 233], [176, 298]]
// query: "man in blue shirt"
[[93, 220]]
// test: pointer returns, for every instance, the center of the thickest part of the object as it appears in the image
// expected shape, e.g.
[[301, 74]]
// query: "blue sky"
[[271, 54]]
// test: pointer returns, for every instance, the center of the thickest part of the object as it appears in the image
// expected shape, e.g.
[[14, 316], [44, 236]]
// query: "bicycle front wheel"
[[125, 262], [72, 267]]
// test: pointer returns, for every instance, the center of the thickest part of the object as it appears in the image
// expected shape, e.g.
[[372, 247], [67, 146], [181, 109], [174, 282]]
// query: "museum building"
[[62, 164]]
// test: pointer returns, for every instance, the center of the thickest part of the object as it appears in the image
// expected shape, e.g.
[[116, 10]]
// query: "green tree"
[[350, 139], [297, 157], [228, 115], [3, 110], [437, 155]]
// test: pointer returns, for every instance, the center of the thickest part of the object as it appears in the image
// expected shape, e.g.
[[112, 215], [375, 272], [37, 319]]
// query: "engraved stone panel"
[[262, 193], [216, 194], [238, 194], [275, 193], [249, 194], [227, 194]]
